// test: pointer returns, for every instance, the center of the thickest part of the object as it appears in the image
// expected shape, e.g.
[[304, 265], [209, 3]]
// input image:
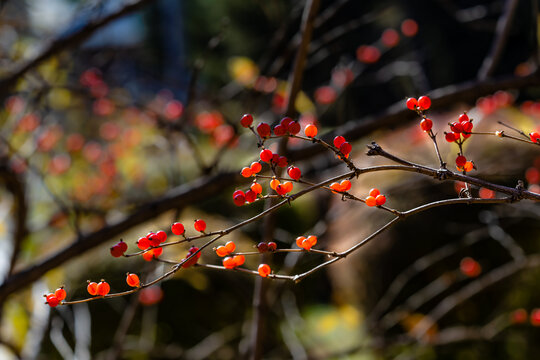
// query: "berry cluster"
[[56, 298], [375, 198]]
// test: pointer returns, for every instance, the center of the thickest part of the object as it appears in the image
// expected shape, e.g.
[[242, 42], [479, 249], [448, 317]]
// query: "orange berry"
[[239, 260], [60, 293], [92, 288], [274, 183], [255, 167], [149, 255], [256, 188], [246, 172], [228, 263], [311, 241], [371, 201], [335, 187], [374, 192], [310, 130], [300, 240], [287, 186], [230, 247], [132, 280], [345, 185], [264, 270], [469, 165], [103, 288], [380, 200], [221, 251]]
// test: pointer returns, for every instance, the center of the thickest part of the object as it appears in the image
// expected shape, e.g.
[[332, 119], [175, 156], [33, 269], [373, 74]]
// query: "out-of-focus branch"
[[398, 114], [15, 185], [473, 288], [65, 42], [179, 197], [499, 42]]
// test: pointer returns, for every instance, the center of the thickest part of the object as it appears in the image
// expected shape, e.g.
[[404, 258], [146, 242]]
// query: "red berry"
[[200, 225], [280, 130], [456, 127], [460, 161], [518, 316], [294, 172], [192, 261], [60, 293], [263, 129], [153, 239], [239, 200], [103, 288], [116, 251], [272, 246], [338, 140], [148, 255], [161, 235], [467, 126], [426, 124], [300, 240], [280, 190], [275, 158], [246, 172], [371, 201], [535, 317], [250, 196], [282, 161], [308, 242], [293, 128], [255, 167], [380, 200], [535, 137], [451, 136], [345, 148], [285, 122], [92, 288], [390, 38], [256, 188], [132, 280], [424, 102], [177, 228], [123, 246], [266, 155], [262, 247], [463, 117], [246, 120], [264, 270], [411, 103], [470, 267], [52, 300], [143, 243], [310, 130]]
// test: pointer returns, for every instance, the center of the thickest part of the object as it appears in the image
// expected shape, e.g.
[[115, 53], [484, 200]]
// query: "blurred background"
[[122, 117]]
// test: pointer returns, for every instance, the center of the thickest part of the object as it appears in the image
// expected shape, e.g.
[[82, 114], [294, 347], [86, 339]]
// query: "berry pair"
[[119, 249], [55, 298], [98, 289], [306, 243], [225, 250], [343, 186], [255, 168], [342, 145], [230, 262], [263, 246]]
